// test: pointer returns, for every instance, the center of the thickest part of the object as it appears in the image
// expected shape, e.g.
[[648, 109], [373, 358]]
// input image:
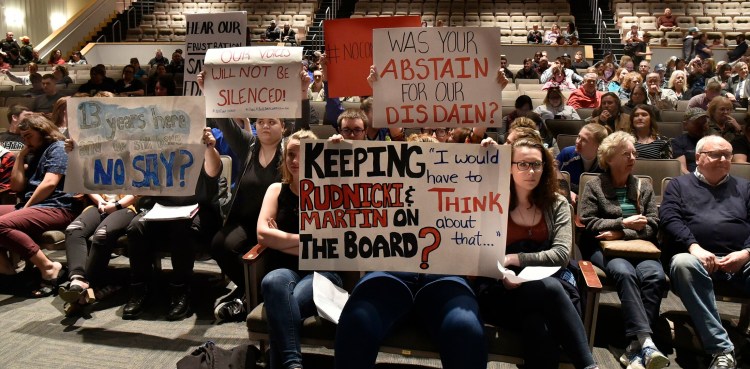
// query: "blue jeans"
[[445, 306], [546, 318], [288, 297], [695, 287], [640, 286]]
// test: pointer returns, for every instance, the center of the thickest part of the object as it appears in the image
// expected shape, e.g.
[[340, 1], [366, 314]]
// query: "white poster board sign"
[[410, 207], [209, 31], [437, 77], [254, 82], [135, 145]]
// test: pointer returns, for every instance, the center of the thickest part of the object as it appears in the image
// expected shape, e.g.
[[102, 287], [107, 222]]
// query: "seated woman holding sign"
[[446, 305], [539, 234], [38, 177], [383, 300], [287, 291], [261, 155], [183, 237], [618, 206]]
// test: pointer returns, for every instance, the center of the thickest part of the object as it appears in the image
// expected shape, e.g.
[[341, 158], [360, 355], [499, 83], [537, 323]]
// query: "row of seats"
[[509, 25], [704, 23], [684, 8], [275, 8], [243, 1], [461, 8], [153, 34]]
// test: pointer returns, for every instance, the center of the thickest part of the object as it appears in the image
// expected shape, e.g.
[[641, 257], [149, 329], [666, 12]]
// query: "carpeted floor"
[[35, 334]]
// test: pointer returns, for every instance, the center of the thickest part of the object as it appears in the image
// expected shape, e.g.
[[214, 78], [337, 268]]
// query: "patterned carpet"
[[35, 334]]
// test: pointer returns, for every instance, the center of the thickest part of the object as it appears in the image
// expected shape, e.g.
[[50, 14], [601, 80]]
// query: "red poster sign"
[[349, 52]]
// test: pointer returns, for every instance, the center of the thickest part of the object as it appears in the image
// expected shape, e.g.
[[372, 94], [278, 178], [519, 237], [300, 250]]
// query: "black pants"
[[104, 230], [229, 245], [182, 238]]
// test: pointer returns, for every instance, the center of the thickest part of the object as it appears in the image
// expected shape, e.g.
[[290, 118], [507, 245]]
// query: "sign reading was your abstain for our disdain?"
[[409, 207], [135, 145], [437, 77], [255, 82]]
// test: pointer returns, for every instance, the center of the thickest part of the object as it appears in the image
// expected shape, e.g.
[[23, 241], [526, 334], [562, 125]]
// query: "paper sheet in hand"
[[160, 212], [329, 298], [531, 273]]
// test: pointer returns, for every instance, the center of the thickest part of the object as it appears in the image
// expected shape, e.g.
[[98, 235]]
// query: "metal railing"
[[119, 25]]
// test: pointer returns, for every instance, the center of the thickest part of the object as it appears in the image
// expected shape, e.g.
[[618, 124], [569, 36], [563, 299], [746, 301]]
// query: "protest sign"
[[209, 31], [254, 82], [135, 145], [410, 207], [349, 52], [437, 77]]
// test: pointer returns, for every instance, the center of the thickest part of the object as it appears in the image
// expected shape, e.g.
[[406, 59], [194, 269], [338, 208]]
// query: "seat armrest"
[[589, 275], [253, 266], [252, 256]]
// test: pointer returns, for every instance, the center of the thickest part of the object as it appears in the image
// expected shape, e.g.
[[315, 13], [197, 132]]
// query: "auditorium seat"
[[723, 23], [486, 21], [232, 7], [518, 36], [674, 38], [307, 9], [547, 9], [262, 9], [415, 9], [486, 9], [148, 20], [267, 19], [695, 9], [162, 20], [204, 8], [648, 24], [254, 21], [472, 21], [531, 8], [641, 9], [712, 9], [189, 8], [285, 19], [685, 21], [149, 35], [548, 21], [177, 20], [402, 9], [517, 22], [277, 9], [174, 8], [742, 23], [133, 35], [429, 20], [164, 34], [180, 34], [677, 9], [388, 9], [502, 21], [704, 23], [565, 19], [160, 8], [515, 9]]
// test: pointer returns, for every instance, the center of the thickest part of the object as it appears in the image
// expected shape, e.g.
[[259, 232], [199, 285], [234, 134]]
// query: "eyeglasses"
[[526, 165], [439, 132], [628, 154], [352, 132], [717, 154]]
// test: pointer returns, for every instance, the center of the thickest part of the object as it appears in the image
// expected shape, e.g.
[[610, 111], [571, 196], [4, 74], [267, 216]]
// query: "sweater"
[[600, 210], [716, 218], [560, 231]]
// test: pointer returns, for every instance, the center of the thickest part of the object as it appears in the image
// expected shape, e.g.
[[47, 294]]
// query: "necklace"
[[533, 220]]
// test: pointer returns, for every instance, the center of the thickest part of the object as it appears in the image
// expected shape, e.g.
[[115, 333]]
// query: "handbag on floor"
[[210, 356]]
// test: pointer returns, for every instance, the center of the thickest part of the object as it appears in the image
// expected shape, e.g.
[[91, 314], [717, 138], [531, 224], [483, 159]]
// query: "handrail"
[[116, 23], [100, 38], [130, 12], [328, 13]]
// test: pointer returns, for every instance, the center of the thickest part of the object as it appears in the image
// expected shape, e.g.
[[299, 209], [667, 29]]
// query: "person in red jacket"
[[586, 96]]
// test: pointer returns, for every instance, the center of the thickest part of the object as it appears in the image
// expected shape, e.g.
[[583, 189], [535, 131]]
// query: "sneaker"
[[230, 311], [723, 361], [653, 358], [631, 358]]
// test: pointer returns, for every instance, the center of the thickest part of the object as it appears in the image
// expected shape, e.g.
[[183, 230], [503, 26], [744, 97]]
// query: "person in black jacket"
[[182, 237]]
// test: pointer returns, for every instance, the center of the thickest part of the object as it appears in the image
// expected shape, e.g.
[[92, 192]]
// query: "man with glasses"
[[705, 218], [586, 96], [351, 126]]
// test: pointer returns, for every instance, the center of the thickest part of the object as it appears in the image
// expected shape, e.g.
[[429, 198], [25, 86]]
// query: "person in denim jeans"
[[705, 218], [616, 206], [287, 291], [445, 306]]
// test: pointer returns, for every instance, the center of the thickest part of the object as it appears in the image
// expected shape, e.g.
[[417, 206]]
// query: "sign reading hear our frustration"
[[437, 77], [209, 31], [254, 82], [411, 207], [349, 52], [136, 146]]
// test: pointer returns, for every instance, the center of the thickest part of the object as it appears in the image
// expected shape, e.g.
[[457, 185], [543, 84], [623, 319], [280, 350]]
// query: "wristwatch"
[[118, 206]]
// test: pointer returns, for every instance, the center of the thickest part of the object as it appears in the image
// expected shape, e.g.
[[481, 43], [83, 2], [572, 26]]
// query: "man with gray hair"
[[713, 89], [660, 98], [586, 96], [707, 229]]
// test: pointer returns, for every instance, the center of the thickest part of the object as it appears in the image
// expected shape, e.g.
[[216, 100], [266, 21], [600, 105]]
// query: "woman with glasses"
[[649, 144], [720, 119], [439, 134], [261, 154], [553, 106], [539, 234], [617, 206]]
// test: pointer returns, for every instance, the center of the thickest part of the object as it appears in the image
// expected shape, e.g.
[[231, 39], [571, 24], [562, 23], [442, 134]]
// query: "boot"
[[137, 302], [179, 308]]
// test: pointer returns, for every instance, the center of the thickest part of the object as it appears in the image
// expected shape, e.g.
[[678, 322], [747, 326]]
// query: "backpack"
[[629, 49], [210, 356]]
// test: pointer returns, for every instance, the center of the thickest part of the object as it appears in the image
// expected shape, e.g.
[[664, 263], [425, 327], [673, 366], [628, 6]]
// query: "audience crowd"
[[703, 217]]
